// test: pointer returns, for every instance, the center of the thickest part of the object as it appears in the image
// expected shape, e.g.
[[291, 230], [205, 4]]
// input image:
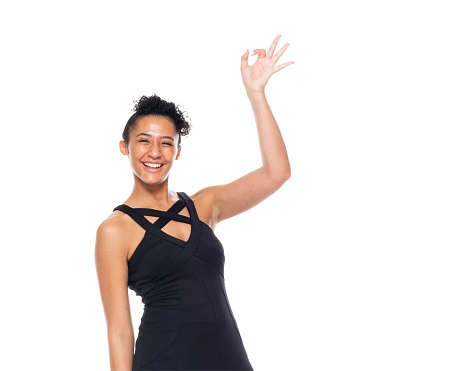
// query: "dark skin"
[[154, 140]]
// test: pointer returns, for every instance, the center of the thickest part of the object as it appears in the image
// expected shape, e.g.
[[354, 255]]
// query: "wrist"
[[255, 94]]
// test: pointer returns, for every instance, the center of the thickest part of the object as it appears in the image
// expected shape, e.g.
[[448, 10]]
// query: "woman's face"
[[152, 148]]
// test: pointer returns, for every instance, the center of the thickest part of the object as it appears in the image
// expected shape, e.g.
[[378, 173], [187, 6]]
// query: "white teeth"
[[152, 165]]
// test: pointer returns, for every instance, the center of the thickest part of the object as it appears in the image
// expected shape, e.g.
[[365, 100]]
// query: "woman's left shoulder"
[[204, 201], [204, 195]]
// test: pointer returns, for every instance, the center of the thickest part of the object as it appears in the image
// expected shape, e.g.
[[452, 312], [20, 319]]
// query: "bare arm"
[[111, 264], [242, 194]]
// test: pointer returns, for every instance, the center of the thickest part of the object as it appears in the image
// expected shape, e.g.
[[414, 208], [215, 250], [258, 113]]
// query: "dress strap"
[[190, 206], [164, 217], [175, 209], [134, 214], [164, 214]]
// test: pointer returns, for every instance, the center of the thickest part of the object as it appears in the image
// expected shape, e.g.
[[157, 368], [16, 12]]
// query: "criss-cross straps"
[[164, 217]]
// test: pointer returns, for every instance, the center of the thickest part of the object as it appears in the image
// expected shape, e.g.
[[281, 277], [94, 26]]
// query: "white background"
[[356, 263]]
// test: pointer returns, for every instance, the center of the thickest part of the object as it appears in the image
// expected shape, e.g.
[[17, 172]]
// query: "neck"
[[151, 196]]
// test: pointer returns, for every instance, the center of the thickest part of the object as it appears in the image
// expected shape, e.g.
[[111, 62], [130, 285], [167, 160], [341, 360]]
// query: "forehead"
[[155, 125]]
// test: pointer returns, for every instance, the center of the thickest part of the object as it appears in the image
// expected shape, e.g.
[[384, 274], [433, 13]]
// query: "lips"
[[151, 166]]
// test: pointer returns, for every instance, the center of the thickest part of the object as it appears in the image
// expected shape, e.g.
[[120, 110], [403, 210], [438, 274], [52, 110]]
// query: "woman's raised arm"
[[242, 194]]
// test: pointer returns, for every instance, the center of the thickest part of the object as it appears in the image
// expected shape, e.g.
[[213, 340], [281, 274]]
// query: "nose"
[[154, 150]]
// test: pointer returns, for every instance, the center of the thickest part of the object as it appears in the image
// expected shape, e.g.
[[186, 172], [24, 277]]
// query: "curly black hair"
[[154, 105]]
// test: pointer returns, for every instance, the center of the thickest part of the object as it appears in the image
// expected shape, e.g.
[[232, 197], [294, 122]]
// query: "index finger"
[[271, 50]]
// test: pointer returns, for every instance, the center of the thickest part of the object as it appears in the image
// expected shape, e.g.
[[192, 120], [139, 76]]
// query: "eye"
[[143, 140], [168, 143]]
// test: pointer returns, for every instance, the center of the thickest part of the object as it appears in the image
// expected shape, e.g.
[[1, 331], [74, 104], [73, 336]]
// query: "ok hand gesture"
[[256, 76]]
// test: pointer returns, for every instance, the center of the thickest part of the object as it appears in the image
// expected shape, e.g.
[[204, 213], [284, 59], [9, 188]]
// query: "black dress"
[[187, 323]]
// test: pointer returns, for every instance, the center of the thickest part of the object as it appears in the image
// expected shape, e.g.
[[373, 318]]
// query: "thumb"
[[244, 60]]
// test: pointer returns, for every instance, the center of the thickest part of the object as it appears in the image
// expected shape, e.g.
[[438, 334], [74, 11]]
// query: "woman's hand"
[[256, 76], [228, 200]]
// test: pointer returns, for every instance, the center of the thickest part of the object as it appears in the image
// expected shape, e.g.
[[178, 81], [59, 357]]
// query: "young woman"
[[161, 243]]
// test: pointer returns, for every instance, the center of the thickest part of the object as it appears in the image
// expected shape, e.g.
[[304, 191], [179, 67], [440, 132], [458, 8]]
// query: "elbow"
[[282, 177], [278, 176], [285, 174]]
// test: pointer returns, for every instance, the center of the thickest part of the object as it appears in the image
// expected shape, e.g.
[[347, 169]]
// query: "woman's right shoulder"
[[112, 230], [111, 259], [113, 222]]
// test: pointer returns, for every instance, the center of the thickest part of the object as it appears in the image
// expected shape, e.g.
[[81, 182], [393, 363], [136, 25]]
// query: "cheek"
[[169, 152], [136, 153]]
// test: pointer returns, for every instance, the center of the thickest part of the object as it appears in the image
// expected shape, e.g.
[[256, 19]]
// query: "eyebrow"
[[149, 135]]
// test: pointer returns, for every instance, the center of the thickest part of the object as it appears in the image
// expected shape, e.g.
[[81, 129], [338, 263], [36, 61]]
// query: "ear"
[[178, 152], [123, 148]]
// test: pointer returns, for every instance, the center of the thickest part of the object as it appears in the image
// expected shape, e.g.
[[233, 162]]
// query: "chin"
[[152, 181]]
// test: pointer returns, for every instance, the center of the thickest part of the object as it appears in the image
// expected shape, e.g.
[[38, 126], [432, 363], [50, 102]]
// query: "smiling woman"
[[161, 243], [152, 147]]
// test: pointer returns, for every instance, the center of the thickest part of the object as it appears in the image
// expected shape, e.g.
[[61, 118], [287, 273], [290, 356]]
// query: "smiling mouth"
[[151, 165]]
